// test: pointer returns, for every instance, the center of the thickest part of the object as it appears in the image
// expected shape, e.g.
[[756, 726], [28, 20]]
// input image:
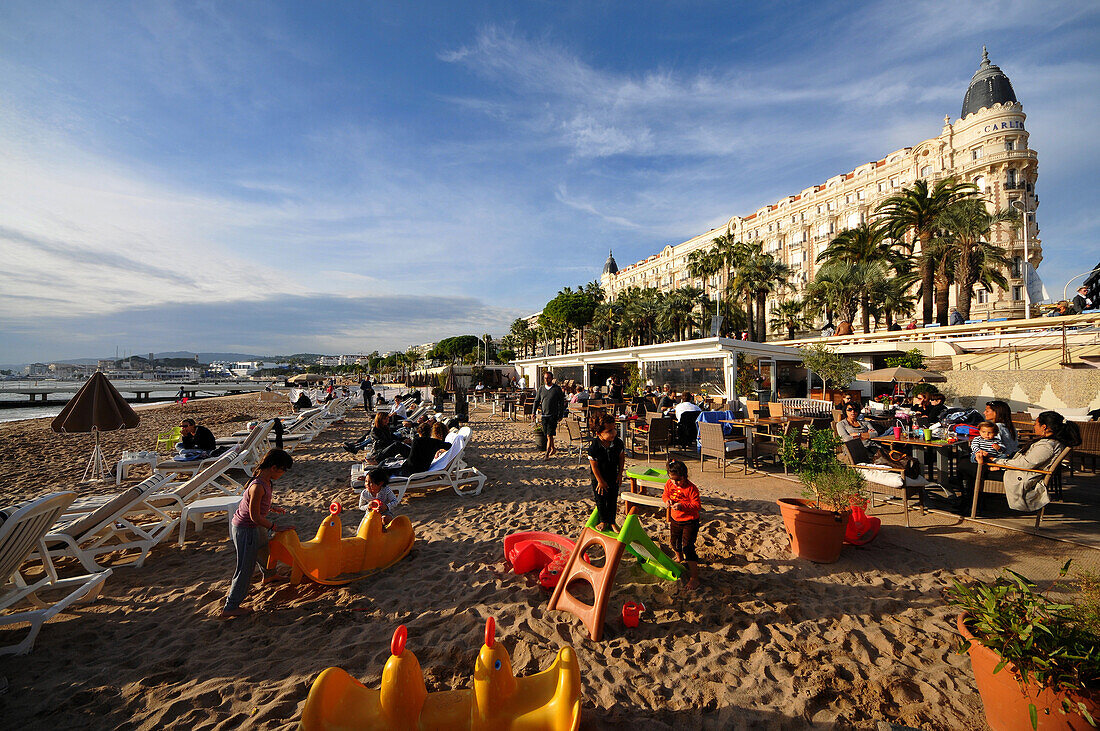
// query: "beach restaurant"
[[707, 365]]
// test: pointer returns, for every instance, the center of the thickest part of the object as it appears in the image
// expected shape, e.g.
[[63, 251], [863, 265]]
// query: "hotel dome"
[[988, 86]]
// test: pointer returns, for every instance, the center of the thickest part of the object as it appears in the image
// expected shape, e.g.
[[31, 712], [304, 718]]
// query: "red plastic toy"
[[632, 612], [534, 550]]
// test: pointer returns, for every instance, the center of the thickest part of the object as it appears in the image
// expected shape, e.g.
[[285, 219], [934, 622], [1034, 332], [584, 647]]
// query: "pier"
[[39, 395]]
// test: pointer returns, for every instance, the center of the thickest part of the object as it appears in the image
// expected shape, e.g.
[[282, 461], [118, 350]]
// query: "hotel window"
[[976, 153], [862, 194], [1017, 267], [819, 210], [981, 296], [1010, 145], [893, 182], [926, 171], [847, 199], [1010, 178], [882, 187], [832, 205], [980, 183], [1017, 293]]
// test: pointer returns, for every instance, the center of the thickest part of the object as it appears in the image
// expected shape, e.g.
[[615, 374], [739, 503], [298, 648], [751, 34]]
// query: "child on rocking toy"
[[377, 490], [682, 499]]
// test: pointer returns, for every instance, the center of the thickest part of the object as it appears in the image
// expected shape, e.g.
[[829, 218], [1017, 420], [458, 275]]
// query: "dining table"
[[949, 448], [749, 429]]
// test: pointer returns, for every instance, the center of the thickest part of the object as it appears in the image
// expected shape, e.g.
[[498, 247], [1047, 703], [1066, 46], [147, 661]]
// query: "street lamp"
[[1020, 206]]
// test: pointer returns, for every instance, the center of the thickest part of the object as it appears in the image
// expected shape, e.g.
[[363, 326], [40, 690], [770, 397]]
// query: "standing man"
[[368, 393], [551, 402]]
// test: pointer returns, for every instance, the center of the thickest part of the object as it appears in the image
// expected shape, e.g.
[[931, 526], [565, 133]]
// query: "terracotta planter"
[[816, 535], [1006, 703]]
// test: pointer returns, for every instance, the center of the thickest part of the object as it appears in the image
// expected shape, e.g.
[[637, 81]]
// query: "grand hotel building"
[[987, 145]]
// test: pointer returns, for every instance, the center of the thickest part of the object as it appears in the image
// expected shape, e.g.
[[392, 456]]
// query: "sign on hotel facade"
[[988, 147]]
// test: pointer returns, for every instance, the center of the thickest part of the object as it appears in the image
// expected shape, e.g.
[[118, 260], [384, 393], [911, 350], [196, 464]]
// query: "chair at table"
[[1090, 444], [775, 410], [653, 438], [168, 440], [575, 435], [984, 485], [715, 444], [753, 407], [883, 479], [767, 444]]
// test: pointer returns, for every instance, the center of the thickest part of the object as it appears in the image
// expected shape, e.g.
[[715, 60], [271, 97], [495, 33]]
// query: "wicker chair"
[[982, 485], [753, 407], [775, 410], [1090, 444], [715, 444], [766, 444], [882, 479], [653, 438]]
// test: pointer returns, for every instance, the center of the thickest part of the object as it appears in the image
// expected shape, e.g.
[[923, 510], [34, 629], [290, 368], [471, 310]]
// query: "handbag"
[[899, 460]]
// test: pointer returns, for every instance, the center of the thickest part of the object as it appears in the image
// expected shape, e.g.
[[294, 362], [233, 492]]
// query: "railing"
[[808, 406]]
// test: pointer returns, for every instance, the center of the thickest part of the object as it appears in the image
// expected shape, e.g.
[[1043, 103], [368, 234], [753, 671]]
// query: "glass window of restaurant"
[[695, 375], [568, 374]]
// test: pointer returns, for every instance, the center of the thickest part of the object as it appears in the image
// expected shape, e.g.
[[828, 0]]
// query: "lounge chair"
[[247, 453], [90, 528], [22, 528], [446, 471]]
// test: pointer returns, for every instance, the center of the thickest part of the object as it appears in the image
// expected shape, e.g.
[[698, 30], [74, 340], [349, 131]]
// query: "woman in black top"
[[386, 443], [606, 457], [423, 450]]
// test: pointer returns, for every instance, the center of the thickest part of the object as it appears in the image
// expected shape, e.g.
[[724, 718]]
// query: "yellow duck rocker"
[[498, 700], [329, 555]]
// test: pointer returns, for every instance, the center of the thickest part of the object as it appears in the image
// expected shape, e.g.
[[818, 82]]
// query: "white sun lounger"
[[109, 524], [21, 532], [447, 470], [247, 453]]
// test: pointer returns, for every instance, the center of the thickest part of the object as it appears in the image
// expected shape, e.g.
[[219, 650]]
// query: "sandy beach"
[[769, 641]]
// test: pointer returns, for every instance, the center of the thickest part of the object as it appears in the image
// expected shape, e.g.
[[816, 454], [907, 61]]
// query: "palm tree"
[[640, 314], [607, 320], [762, 274], [966, 228], [837, 287], [865, 244], [705, 264], [917, 211], [520, 330], [790, 315]]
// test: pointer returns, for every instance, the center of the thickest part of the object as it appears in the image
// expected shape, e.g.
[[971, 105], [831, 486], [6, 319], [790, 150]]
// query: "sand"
[[770, 641]]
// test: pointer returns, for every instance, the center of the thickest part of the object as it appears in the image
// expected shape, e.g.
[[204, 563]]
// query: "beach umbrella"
[[96, 407], [901, 374]]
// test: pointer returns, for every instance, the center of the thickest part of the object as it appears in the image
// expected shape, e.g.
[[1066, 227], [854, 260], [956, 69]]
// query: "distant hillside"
[[183, 355]]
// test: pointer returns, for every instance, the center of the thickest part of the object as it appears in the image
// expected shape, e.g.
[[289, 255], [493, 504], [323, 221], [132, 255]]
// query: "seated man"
[[196, 437], [686, 414]]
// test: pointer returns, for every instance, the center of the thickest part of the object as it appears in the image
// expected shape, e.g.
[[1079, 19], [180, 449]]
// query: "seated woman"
[[423, 450], [854, 428], [386, 444], [1000, 414], [1025, 490]]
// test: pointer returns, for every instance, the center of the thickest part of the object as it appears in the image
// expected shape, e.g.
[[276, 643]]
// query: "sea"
[[159, 391]]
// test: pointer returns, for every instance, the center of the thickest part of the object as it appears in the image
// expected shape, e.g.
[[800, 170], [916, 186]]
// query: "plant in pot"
[[816, 523], [1036, 660], [540, 437]]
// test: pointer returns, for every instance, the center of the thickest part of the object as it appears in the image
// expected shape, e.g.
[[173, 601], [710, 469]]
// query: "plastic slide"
[[652, 559], [532, 550]]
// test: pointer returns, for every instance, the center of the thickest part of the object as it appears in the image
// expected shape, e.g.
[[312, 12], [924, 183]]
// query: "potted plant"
[[816, 523], [540, 437], [1036, 661]]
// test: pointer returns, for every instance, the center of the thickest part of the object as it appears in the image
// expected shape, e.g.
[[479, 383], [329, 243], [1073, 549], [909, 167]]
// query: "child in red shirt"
[[682, 499]]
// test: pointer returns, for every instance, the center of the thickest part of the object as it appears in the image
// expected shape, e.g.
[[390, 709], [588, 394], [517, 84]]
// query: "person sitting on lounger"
[[195, 437], [422, 451]]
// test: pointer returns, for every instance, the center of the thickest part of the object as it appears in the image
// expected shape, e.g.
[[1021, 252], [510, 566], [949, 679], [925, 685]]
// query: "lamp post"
[[1020, 206]]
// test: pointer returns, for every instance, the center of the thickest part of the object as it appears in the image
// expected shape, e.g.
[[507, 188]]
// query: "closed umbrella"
[[901, 374], [96, 407]]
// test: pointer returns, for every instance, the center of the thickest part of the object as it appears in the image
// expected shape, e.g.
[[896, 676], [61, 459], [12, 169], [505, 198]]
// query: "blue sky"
[[343, 177]]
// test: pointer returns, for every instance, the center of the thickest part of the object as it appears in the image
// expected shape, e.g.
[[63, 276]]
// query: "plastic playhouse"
[[550, 700], [329, 555], [632, 539]]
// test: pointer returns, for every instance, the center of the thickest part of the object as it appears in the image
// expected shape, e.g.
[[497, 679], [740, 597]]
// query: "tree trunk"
[[865, 305], [750, 325], [964, 283], [761, 328], [926, 273], [943, 291]]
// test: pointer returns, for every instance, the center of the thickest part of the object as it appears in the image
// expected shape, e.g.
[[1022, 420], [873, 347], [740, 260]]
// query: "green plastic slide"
[[652, 559]]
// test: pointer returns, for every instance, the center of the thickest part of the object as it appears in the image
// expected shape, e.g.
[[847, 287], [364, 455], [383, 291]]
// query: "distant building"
[[105, 365], [63, 370], [354, 360], [329, 361], [35, 370], [422, 349], [987, 146]]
